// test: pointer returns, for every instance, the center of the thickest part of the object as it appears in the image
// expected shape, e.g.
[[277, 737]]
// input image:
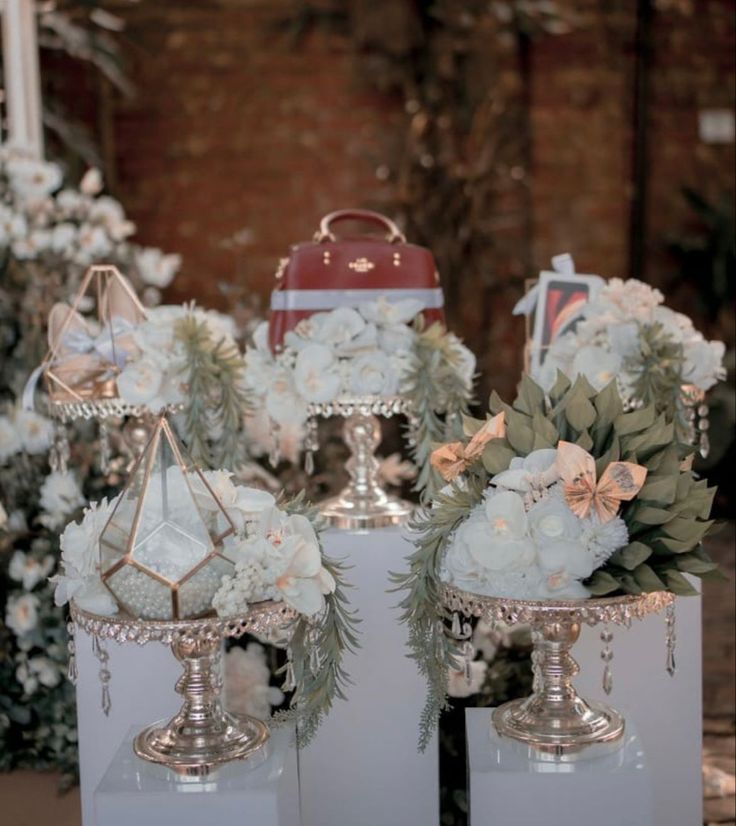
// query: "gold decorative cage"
[[161, 552]]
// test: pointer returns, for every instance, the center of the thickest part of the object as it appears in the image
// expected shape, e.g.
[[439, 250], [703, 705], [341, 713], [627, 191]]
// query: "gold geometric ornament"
[[161, 551], [85, 355]]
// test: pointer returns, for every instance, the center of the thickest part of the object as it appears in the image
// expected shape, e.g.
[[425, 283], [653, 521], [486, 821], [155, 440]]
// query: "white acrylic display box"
[[507, 788], [263, 790], [363, 768]]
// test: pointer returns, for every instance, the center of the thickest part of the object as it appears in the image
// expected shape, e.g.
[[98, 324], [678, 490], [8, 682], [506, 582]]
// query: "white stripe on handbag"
[[330, 299]]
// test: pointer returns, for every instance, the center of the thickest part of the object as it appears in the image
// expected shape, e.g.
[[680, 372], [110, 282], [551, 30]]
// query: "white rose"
[[300, 577], [536, 471], [564, 560], [13, 225], [62, 237], [36, 432], [338, 326], [10, 442], [33, 179], [91, 183], [93, 243], [21, 613], [316, 373], [28, 570], [247, 676], [60, 496], [387, 313], [597, 365], [373, 375], [507, 544], [551, 520], [45, 670], [139, 382], [396, 338], [703, 365], [109, 213], [156, 268]]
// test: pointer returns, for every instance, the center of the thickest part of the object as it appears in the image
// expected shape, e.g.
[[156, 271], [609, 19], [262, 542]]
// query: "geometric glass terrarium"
[[86, 355], [161, 551]]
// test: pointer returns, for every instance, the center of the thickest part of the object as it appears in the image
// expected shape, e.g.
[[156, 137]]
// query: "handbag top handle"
[[393, 234]]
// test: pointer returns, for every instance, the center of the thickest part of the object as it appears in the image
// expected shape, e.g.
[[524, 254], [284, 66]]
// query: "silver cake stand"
[[202, 736], [364, 503], [555, 722]]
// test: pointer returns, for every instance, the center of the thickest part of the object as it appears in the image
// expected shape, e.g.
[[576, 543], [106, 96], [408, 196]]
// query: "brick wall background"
[[244, 132]]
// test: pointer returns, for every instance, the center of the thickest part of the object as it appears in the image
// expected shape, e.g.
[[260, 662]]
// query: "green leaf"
[[530, 396], [584, 440], [579, 412], [630, 585], [633, 422], [518, 435], [608, 404], [660, 489], [471, 425], [602, 583], [497, 456], [677, 583], [561, 386], [647, 579], [687, 530], [693, 564], [496, 404], [647, 515], [544, 427], [632, 555]]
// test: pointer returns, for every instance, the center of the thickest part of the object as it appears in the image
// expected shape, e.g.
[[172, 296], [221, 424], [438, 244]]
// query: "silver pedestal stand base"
[[202, 736], [174, 745], [363, 504], [555, 723]]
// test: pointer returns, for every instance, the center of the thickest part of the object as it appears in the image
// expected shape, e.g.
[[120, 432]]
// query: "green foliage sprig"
[[216, 399], [334, 633], [440, 397], [666, 521]]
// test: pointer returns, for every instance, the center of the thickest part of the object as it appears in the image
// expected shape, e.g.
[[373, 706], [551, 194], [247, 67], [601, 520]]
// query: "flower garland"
[[379, 348], [277, 555], [653, 352], [561, 495]]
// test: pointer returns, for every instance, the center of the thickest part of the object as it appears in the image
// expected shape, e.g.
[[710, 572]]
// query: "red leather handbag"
[[328, 272]]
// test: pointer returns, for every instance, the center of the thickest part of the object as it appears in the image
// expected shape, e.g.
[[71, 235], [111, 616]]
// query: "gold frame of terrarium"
[[103, 274], [162, 427]]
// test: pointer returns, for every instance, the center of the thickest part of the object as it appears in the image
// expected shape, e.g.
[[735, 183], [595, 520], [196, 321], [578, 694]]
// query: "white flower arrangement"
[[627, 334], [154, 371], [75, 227], [524, 541], [247, 688], [277, 555], [367, 351]]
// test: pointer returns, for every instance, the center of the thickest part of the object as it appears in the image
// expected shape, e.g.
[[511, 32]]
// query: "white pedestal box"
[[261, 790], [667, 711], [506, 788], [363, 767], [141, 690]]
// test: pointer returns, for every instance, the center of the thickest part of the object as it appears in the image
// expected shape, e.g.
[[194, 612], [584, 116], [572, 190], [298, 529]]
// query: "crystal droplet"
[[289, 681], [456, 626], [106, 701], [607, 679], [72, 673], [105, 450], [309, 463], [704, 445], [671, 665]]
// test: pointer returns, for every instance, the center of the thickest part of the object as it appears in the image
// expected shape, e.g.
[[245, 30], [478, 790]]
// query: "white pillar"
[[21, 75], [363, 767]]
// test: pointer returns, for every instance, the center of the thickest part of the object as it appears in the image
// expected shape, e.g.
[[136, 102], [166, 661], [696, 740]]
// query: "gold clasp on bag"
[[361, 265]]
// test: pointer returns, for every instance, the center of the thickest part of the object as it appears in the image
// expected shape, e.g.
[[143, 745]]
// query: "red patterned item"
[[328, 272]]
